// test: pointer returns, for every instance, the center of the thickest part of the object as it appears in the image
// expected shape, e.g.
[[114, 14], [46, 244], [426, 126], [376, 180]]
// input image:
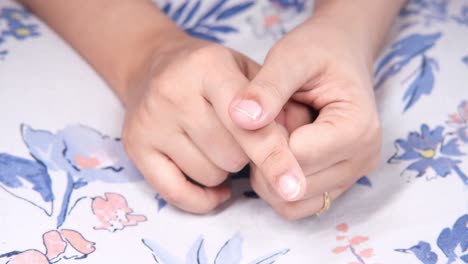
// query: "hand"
[[319, 65], [172, 131]]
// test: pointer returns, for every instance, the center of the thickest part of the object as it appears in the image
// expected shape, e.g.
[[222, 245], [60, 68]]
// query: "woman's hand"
[[316, 64], [174, 129]]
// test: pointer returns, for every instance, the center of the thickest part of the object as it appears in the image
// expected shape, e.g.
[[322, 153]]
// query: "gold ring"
[[326, 204]]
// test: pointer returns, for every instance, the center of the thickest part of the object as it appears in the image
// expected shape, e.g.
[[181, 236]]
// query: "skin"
[[197, 111]]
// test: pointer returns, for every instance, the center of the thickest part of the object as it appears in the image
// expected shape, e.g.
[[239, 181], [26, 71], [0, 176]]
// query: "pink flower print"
[[66, 243], [59, 245], [351, 244], [28, 257], [113, 213]]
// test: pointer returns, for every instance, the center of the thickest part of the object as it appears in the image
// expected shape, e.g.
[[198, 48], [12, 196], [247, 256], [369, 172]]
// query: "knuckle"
[[237, 163], [268, 88], [273, 157]]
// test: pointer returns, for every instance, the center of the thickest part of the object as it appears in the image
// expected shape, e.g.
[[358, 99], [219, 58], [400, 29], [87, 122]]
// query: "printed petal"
[[31, 256], [197, 254], [342, 228], [78, 242], [366, 253], [357, 240], [160, 255], [340, 249], [230, 252], [54, 244]]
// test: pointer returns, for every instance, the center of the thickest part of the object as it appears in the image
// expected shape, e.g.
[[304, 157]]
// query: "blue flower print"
[[14, 21], [430, 149], [210, 25], [229, 253], [14, 25], [430, 11], [401, 53], [453, 242], [64, 162]]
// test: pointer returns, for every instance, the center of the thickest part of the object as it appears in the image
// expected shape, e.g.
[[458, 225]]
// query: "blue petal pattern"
[[422, 84], [448, 241], [15, 170], [400, 55], [430, 149], [230, 253], [17, 26], [208, 25]]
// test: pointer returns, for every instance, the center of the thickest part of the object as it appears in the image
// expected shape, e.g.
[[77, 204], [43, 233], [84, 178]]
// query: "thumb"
[[262, 100]]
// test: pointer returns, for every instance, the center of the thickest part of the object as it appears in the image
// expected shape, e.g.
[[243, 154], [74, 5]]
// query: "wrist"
[[363, 31]]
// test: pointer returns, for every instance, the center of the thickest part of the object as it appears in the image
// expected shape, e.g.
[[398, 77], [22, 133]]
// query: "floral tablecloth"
[[69, 194]]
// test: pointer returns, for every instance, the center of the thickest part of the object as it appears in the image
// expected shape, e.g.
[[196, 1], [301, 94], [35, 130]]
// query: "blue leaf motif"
[[161, 202], [401, 53], [45, 147], [271, 258], [364, 181], [449, 239], [175, 17], [202, 35], [232, 11], [423, 252], [197, 254], [14, 171], [423, 83], [167, 8], [160, 255], [213, 10], [223, 29], [230, 252], [192, 12]]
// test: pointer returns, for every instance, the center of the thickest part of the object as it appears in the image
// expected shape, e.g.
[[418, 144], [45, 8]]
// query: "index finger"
[[267, 148]]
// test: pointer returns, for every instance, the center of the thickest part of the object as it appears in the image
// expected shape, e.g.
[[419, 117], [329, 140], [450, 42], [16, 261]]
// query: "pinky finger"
[[305, 208], [163, 175]]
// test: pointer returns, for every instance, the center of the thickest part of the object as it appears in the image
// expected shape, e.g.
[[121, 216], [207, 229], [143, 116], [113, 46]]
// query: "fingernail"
[[289, 187], [249, 108]]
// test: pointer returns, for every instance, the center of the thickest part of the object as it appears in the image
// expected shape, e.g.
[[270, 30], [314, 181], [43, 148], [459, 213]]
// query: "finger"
[[192, 162], [301, 209], [296, 209], [174, 187], [211, 137], [335, 177], [259, 102], [331, 138], [266, 147], [296, 115]]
